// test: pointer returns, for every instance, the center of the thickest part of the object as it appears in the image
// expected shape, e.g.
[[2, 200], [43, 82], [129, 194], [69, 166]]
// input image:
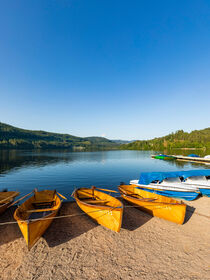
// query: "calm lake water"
[[64, 170]]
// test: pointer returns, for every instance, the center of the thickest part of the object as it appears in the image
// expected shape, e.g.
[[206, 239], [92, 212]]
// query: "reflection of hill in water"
[[14, 159], [183, 164]]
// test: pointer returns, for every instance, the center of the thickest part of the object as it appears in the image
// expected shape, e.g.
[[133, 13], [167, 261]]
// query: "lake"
[[64, 170]]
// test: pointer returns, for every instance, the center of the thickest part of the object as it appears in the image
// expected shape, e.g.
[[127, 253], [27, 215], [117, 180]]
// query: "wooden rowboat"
[[6, 198], [36, 214], [156, 205], [103, 208]]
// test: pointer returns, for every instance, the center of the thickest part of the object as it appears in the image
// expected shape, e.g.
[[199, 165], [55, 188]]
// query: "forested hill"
[[178, 140], [15, 138]]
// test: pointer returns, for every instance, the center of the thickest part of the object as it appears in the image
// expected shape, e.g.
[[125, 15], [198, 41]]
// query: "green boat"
[[165, 157]]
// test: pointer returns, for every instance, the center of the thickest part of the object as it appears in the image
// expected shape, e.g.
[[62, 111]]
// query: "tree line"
[[198, 139]]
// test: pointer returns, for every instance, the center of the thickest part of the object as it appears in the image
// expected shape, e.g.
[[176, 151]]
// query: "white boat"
[[166, 183], [198, 181], [171, 184], [208, 157], [177, 183]]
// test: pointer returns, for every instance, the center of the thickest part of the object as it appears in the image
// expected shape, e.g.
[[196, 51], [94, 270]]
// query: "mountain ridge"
[[198, 139], [12, 137], [19, 138]]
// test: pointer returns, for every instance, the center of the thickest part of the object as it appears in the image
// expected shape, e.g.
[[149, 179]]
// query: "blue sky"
[[121, 69]]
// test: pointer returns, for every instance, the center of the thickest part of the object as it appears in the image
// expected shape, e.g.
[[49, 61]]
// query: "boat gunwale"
[[160, 203], [6, 204], [200, 186], [143, 201], [27, 221], [153, 187], [11, 197]]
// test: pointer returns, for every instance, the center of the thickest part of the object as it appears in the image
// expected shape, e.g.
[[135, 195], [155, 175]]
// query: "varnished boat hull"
[[109, 216], [157, 205], [33, 229], [11, 196], [3, 208]]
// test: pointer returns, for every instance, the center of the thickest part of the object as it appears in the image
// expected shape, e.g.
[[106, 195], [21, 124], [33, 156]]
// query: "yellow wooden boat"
[[36, 214], [6, 198], [156, 205], [103, 208]]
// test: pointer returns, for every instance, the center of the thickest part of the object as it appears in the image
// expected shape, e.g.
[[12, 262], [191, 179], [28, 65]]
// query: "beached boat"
[[36, 214], [201, 182], [103, 208], [195, 179], [200, 178], [167, 184], [156, 205], [6, 198]]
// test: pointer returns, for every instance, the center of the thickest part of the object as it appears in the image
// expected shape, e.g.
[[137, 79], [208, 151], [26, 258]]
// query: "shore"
[[77, 248]]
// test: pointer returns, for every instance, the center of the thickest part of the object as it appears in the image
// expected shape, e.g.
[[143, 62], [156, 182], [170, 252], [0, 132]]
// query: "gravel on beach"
[[77, 248]]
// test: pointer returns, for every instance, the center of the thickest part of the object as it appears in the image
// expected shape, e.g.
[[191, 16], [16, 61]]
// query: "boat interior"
[[40, 205], [7, 197], [132, 191], [92, 196]]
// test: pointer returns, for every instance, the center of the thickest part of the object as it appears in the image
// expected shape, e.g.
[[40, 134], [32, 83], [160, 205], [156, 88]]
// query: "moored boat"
[[156, 205], [36, 214], [103, 208], [181, 194], [6, 198], [164, 157], [167, 183], [201, 181]]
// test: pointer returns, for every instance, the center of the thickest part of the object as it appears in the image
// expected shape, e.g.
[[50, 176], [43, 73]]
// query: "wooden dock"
[[193, 159]]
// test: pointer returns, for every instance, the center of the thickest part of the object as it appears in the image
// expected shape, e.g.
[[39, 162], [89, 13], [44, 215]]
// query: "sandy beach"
[[78, 248]]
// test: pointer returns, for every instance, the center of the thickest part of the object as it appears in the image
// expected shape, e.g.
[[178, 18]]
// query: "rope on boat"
[[57, 217], [85, 213]]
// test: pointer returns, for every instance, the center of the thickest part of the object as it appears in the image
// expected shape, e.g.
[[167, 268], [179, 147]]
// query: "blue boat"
[[148, 177], [157, 182], [205, 191], [200, 178], [186, 195], [193, 155]]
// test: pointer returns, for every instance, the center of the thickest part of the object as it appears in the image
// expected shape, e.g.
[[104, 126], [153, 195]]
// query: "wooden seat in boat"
[[43, 204], [38, 215], [44, 200], [92, 201]]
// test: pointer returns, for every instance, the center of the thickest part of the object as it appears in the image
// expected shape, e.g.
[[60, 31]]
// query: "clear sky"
[[121, 69]]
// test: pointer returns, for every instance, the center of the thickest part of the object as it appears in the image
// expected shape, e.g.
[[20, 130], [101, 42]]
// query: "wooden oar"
[[62, 196], [20, 199], [7, 198], [39, 210], [95, 201], [137, 196], [106, 190], [152, 200], [144, 199]]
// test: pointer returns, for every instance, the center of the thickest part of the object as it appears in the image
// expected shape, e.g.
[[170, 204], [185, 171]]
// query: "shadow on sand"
[[65, 229], [133, 217], [189, 212], [8, 233]]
